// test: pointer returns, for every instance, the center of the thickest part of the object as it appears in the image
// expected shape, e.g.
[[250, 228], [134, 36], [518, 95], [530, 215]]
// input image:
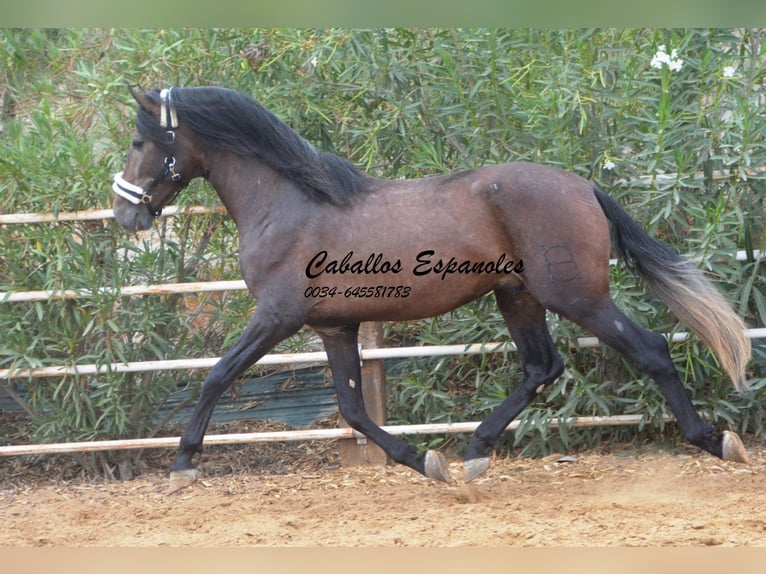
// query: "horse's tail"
[[683, 288]]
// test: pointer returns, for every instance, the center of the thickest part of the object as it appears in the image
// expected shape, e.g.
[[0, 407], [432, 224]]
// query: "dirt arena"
[[613, 496]]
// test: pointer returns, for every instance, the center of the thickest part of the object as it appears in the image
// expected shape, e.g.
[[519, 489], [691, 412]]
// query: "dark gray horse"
[[325, 245]]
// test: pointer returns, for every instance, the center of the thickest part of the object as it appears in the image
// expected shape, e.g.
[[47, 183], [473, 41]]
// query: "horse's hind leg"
[[343, 357], [649, 351], [541, 364]]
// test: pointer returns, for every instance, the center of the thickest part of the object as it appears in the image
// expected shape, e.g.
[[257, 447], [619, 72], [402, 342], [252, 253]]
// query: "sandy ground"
[[596, 498]]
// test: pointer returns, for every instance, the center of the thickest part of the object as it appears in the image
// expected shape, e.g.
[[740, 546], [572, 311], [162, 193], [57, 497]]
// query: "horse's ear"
[[139, 95]]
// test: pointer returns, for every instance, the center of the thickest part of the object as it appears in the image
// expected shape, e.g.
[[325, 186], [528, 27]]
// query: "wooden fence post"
[[355, 452]]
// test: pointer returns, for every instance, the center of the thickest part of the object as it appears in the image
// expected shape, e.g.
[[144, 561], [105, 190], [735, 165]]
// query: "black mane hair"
[[228, 120]]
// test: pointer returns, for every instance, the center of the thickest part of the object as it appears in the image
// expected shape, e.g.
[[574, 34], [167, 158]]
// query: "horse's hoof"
[[436, 466], [474, 467], [733, 449], [182, 478]]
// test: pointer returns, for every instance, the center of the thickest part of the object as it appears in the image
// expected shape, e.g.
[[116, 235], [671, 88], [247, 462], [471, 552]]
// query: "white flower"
[[661, 58], [729, 71], [675, 65], [608, 165], [314, 62]]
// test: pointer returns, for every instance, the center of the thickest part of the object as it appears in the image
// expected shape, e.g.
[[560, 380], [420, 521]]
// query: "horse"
[[325, 245]]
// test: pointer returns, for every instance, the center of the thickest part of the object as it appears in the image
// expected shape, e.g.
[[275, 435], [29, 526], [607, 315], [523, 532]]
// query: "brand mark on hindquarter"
[[560, 262]]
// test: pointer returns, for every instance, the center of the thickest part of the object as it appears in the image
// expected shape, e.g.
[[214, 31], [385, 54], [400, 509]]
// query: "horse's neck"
[[247, 187]]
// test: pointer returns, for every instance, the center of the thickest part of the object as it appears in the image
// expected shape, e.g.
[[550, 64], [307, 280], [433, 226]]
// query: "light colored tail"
[[684, 289]]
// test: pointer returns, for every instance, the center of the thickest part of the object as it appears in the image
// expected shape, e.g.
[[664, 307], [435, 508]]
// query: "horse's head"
[[163, 158]]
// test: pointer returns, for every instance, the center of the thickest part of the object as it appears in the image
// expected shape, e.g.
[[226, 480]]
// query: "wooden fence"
[[354, 449]]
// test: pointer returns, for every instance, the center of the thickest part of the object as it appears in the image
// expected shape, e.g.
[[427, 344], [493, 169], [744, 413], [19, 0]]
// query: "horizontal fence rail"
[[174, 288], [126, 291], [300, 435], [96, 214], [300, 358], [267, 360]]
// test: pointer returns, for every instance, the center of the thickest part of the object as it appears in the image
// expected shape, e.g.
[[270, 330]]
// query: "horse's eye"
[[137, 143]]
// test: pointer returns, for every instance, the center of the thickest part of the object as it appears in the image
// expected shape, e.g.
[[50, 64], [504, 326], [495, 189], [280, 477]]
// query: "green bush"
[[680, 145]]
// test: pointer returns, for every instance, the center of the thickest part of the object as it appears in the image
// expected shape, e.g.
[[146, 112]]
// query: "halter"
[[136, 194]]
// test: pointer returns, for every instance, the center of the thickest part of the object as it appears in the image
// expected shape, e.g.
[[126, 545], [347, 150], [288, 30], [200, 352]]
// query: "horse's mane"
[[227, 120]]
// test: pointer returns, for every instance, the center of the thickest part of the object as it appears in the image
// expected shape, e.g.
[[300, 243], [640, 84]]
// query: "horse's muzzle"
[[130, 216]]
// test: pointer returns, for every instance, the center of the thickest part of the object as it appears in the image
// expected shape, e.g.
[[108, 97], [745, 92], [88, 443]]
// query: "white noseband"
[[133, 193]]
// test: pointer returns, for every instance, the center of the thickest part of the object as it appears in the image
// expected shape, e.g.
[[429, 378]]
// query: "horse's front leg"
[[343, 357], [265, 330]]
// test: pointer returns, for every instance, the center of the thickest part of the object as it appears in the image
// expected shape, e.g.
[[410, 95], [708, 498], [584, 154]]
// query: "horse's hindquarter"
[[556, 225]]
